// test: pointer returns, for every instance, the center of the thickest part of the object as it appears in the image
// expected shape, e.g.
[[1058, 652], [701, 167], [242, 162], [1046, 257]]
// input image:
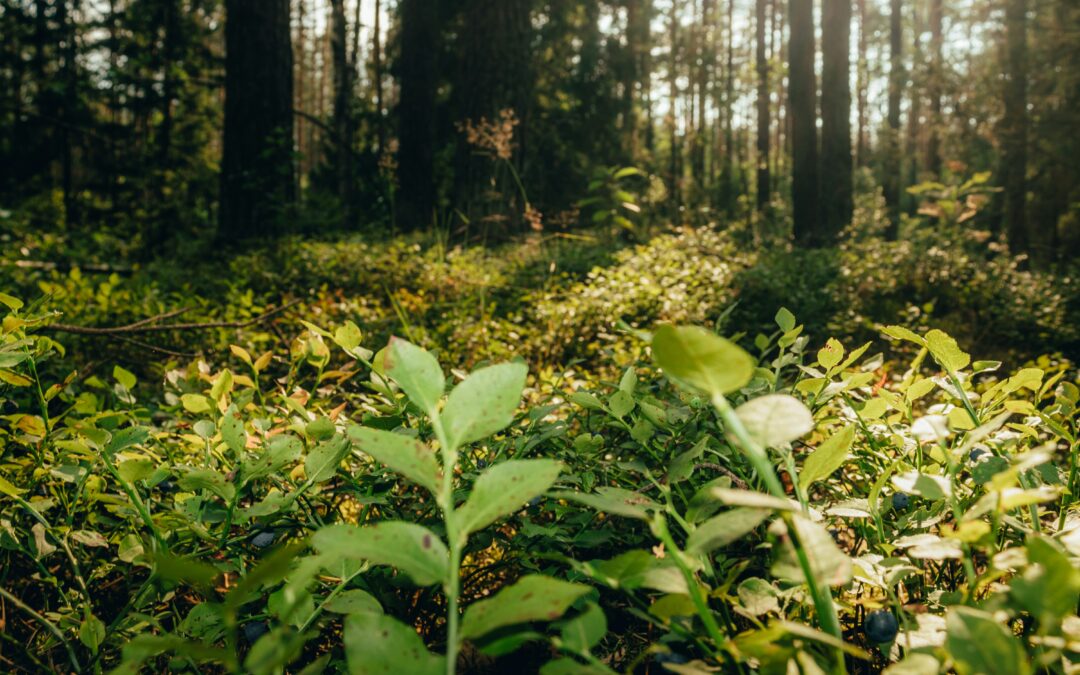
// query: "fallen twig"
[[148, 325]]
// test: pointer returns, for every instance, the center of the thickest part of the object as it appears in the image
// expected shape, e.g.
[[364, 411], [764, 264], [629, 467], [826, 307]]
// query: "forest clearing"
[[540, 336]]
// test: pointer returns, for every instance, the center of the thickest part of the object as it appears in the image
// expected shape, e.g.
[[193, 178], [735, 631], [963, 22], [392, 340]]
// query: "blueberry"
[[255, 630], [534, 501], [976, 454], [836, 534], [670, 657], [166, 486], [481, 464], [900, 501], [881, 626], [263, 539]]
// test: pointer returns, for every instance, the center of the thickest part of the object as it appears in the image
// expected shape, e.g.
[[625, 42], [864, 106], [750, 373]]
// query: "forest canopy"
[[514, 336]]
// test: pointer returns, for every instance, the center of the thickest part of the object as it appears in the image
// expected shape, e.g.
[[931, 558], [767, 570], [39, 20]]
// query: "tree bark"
[[416, 114], [937, 73], [763, 128], [897, 79], [342, 143], [257, 179], [802, 91], [1015, 127], [836, 165]]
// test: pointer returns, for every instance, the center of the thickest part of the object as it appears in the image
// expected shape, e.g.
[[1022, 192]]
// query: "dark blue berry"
[[166, 486], [881, 626], [263, 539], [670, 657], [255, 630], [900, 501], [534, 501], [976, 454], [481, 464], [836, 534]]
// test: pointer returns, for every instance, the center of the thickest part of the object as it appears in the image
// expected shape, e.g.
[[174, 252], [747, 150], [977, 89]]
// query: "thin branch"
[[144, 327]]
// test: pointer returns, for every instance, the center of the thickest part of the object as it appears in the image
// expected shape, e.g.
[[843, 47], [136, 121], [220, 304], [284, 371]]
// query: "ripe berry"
[[976, 454], [534, 501], [881, 626], [263, 539], [255, 630], [670, 657], [481, 464], [900, 501]]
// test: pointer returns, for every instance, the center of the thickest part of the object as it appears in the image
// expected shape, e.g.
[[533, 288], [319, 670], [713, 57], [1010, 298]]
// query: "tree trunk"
[[896, 90], [377, 67], [257, 166], [836, 189], [1015, 123], [675, 177], [729, 122], [342, 143], [911, 149], [496, 77], [763, 130], [937, 73], [416, 113], [803, 94], [862, 78]]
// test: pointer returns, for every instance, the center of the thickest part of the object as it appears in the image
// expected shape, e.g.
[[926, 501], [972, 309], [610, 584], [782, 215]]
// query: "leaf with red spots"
[[377, 644], [413, 549], [503, 489], [403, 454], [532, 598]]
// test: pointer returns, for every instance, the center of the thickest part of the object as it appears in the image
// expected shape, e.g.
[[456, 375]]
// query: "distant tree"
[[420, 36], [897, 79], [802, 93], [257, 166], [1014, 130], [343, 141], [836, 163], [762, 65]]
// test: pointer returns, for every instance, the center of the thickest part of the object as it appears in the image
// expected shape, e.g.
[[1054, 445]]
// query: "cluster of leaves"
[[768, 511]]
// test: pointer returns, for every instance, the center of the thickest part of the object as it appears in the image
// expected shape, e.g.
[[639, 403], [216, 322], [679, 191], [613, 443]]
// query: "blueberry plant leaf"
[[377, 644], [531, 598], [946, 352], [323, 460], [702, 359], [616, 501], [724, 529], [503, 489], [484, 403], [416, 371], [828, 457], [775, 419], [411, 548], [979, 644], [405, 455]]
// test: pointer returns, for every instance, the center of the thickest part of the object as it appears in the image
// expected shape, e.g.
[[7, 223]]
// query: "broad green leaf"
[[1049, 587], [827, 458], [785, 319], [484, 403], [923, 485], [323, 460], [979, 645], [702, 359], [946, 352], [531, 598], [376, 644], [208, 479], [92, 632], [416, 371], [232, 430], [638, 569], [616, 501], [196, 403], [915, 663], [126, 378], [775, 419], [353, 601], [831, 354], [405, 455], [413, 549], [758, 596], [9, 489], [828, 563], [901, 333], [584, 631], [503, 489], [281, 450], [11, 301], [724, 529]]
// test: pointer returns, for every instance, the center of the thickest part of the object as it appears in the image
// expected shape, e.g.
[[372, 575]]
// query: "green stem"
[[823, 601], [50, 626]]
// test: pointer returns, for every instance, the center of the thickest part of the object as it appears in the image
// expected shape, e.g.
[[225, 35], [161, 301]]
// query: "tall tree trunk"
[[862, 77], [675, 177], [377, 68], [729, 122], [1015, 124], [66, 20], [897, 79], [638, 38], [342, 143], [911, 149], [496, 77], [836, 189], [763, 130], [416, 113], [937, 73], [257, 178], [802, 87]]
